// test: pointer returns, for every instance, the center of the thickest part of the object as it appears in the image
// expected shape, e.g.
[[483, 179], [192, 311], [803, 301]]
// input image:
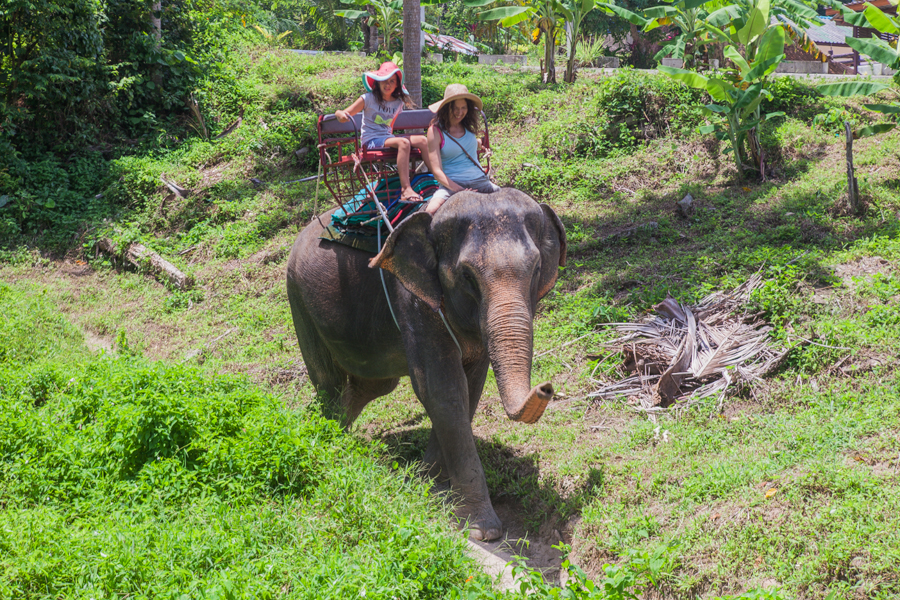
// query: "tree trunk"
[[412, 49], [156, 21], [370, 31], [156, 26], [549, 55]]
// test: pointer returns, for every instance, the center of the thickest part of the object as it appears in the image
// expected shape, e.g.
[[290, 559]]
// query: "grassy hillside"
[[689, 494]]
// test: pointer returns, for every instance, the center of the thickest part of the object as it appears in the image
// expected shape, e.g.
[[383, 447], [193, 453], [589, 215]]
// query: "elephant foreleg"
[[433, 460], [442, 386]]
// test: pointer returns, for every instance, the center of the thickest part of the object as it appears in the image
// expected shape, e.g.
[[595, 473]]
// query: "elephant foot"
[[483, 527]]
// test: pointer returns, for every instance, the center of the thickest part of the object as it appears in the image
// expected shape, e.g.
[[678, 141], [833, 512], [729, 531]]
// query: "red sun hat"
[[384, 72]]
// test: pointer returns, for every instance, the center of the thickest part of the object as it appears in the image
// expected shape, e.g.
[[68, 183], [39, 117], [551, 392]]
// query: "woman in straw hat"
[[453, 146]]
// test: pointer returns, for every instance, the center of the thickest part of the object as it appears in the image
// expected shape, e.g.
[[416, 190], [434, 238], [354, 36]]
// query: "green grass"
[[124, 477], [821, 432]]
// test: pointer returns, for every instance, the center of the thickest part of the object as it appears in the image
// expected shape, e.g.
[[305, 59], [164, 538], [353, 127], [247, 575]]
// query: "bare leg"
[[402, 145], [421, 143], [434, 204]]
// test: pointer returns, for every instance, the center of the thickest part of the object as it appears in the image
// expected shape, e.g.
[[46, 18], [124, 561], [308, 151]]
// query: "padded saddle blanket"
[[355, 223]]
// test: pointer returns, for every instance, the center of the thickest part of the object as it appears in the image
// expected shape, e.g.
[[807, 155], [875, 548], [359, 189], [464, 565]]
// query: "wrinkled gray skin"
[[485, 260]]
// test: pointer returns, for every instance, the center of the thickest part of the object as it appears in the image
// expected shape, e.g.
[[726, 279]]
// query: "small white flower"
[[362, 593]]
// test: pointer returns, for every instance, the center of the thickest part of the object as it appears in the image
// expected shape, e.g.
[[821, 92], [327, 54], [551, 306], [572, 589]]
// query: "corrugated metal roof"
[[830, 34], [443, 41]]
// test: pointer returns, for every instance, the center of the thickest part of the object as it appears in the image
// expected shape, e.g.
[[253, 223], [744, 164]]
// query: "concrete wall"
[[678, 63], [802, 66], [434, 58], [314, 52], [606, 62], [510, 59]]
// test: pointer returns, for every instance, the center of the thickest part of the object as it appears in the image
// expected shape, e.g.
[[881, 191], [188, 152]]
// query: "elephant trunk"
[[509, 340]]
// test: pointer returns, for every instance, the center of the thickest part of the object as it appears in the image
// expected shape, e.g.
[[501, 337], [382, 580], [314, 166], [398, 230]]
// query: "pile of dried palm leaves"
[[686, 353]]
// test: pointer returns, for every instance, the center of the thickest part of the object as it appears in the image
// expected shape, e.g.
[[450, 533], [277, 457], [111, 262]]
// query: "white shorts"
[[480, 185]]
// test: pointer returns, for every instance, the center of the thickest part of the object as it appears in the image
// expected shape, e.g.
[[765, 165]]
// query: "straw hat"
[[384, 72], [453, 92]]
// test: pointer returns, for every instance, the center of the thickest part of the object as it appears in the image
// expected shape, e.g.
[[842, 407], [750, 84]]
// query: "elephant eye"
[[472, 283]]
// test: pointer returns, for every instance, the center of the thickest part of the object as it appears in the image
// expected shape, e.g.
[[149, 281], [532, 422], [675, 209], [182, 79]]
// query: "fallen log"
[[142, 257]]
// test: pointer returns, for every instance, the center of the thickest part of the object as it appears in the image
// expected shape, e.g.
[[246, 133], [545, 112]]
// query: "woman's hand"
[[341, 116], [455, 187]]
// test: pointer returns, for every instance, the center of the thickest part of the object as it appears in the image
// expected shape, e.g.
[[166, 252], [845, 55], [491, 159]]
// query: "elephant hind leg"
[[359, 392], [327, 377]]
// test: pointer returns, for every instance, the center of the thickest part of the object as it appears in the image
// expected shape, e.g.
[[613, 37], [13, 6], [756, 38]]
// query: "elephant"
[[463, 287]]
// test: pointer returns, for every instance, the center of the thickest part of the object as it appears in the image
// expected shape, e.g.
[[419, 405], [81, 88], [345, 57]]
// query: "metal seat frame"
[[354, 168]]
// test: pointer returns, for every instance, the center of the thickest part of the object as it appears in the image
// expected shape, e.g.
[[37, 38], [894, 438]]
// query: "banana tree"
[[573, 11], [388, 15], [688, 16], [878, 50], [755, 46], [543, 13]]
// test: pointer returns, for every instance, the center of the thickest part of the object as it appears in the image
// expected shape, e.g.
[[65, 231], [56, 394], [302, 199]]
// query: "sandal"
[[414, 197]]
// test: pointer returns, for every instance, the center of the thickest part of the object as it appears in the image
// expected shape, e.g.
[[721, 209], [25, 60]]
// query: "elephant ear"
[[553, 250], [410, 257]]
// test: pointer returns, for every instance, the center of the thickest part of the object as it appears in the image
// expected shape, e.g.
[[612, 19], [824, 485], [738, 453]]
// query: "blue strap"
[[383, 284]]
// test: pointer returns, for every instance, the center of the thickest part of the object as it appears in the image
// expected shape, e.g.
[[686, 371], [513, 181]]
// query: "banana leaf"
[[888, 109], [876, 48], [626, 14], [732, 54], [756, 24], [350, 14], [751, 94], [764, 68], [795, 8], [658, 12], [851, 88], [771, 44], [880, 21], [507, 15], [873, 130]]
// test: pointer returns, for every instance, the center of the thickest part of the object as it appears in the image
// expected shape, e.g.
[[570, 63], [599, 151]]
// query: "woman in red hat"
[[385, 97]]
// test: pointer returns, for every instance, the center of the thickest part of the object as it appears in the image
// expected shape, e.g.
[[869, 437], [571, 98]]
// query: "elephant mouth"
[[531, 409]]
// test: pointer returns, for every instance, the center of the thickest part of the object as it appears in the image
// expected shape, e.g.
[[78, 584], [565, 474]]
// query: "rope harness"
[[387, 222]]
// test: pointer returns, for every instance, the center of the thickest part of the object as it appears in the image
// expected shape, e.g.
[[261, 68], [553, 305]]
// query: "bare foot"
[[410, 195]]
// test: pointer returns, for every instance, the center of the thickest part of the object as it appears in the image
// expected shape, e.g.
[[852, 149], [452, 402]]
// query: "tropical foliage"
[[388, 16], [545, 15], [755, 46], [877, 49]]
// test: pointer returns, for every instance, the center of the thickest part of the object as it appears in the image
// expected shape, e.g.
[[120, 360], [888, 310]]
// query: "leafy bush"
[[119, 476]]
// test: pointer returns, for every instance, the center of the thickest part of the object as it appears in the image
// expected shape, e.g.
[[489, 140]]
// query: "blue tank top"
[[455, 163]]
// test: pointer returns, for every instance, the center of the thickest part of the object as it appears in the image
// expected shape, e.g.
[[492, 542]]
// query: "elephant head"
[[486, 260]]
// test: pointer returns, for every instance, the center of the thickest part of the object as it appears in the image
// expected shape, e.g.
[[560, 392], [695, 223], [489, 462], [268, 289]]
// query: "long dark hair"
[[469, 122], [397, 95]]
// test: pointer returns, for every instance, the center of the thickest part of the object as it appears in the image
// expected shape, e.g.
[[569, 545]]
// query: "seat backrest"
[[330, 126], [414, 119]]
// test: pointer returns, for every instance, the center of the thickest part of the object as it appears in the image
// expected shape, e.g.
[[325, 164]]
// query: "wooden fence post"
[[852, 186]]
